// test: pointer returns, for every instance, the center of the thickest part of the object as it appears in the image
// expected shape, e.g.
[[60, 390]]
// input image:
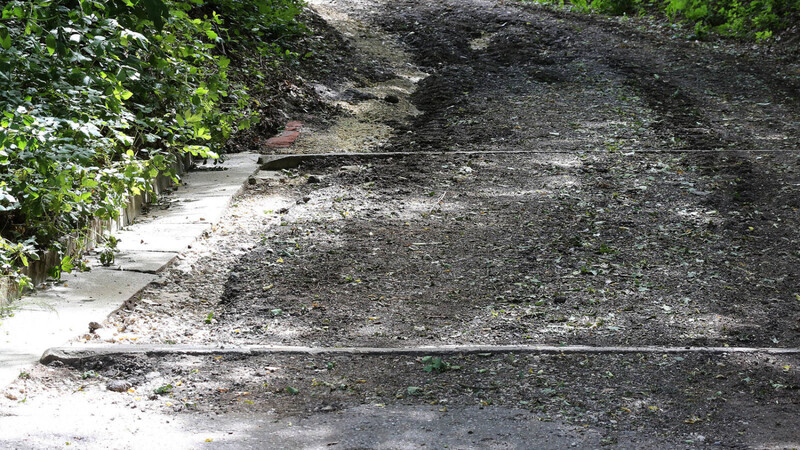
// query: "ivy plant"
[[98, 97]]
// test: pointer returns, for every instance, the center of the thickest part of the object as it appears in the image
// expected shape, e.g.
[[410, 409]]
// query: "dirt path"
[[655, 203]]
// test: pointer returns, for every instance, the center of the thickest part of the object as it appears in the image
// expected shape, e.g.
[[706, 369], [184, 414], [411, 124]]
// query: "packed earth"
[[497, 174]]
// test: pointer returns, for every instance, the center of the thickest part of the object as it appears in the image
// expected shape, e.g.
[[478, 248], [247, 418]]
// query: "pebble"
[[350, 169], [118, 385]]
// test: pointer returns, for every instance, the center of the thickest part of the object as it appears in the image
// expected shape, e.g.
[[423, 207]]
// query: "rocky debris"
[[356, 96]]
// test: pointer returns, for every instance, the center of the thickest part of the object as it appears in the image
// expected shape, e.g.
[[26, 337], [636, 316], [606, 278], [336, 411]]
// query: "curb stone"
[[292, 161], [74, 355]]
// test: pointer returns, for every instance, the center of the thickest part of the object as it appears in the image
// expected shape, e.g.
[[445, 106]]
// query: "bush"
[[755, 19], [98, 97]]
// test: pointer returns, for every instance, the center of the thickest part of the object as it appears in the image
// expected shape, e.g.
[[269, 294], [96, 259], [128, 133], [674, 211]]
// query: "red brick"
[[294, 125], [287, 137]]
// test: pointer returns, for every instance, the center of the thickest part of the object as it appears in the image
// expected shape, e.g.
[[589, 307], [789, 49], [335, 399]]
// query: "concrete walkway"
[[53, 316]]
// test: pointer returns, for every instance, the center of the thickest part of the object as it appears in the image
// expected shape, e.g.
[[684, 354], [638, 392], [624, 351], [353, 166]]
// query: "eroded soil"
[[609, 228]]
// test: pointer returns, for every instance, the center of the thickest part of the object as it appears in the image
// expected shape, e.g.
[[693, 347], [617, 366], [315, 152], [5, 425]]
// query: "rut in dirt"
[[555, 80]]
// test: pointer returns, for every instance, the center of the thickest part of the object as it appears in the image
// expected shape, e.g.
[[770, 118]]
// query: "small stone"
[[350, 169], [558, 299], [105, 334], [251, 180], [391, 98], [356, 96], [313, 179], [118, 385]]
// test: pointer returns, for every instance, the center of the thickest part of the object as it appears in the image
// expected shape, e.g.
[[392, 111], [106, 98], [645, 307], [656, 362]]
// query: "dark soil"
[[600, 249], [558, 80], [691, 400]]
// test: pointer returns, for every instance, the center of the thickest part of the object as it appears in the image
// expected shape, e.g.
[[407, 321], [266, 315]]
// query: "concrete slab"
[[160, 237], [218, 183], [54, 316], [145, 262], [60, 313], [205, 210]]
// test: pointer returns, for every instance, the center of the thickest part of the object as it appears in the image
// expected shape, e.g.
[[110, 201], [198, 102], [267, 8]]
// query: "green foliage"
[[755, 19], [97, 97], [615, 7], [165, 389], [437, 365]]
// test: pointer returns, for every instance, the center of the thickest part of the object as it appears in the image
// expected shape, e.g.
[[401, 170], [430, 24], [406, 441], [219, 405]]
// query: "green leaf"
[[291, 390], [157, 11], [66, 264], [163, 389], [5, 38], [51, 43]]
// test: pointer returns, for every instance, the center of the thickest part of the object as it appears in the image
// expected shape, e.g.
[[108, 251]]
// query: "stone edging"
[[76, 354]]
